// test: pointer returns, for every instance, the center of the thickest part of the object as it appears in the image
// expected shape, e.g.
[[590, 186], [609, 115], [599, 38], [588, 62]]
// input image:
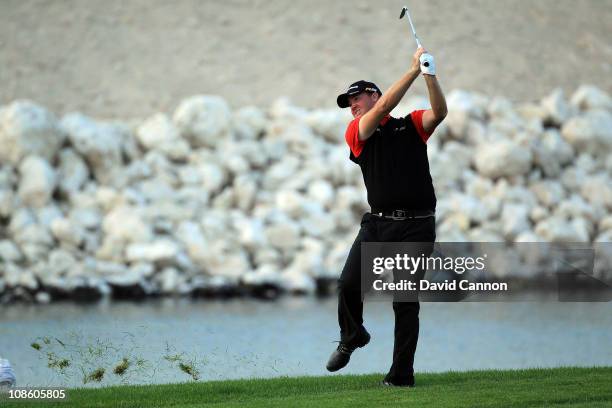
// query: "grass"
[[562, 387]]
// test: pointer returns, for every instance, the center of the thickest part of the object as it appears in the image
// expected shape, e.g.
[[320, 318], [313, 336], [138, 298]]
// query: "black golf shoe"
[[341, 356]]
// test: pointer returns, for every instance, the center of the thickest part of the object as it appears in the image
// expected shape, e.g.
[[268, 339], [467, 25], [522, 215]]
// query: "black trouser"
[[350, 305]]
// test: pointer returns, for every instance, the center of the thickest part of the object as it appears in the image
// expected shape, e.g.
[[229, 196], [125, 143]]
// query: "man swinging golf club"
[[392, 155]]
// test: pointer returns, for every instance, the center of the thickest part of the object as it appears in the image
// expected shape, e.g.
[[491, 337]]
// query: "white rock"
[[344, 221], [445, 171], [290, 201], [515, 220], [27, 129], [99, 143], [478, 186], [509, 190], [72, 171], [263, 274], [126, 224], [456, 221], [143, 269], [538, 213], [557, 108], [551, 152], [155, 190], [606, 237], [597, 190], [590, 132], [214, 223], [450, 232], [250, 233], [132, 277], [469, 206], [556, 229], [245, 189], [283, 108], [249, 123], [502, 158], [336, 257], [85, 218], [586, 162], [64, 231], [473, 104], [549, 192], [224, 200], [572, 178], [157, 131], [42, 297], [7, 203], [605, 224], [268, 255], [158, 250], [229, 263], [283, 236], [280, 172], [46, 215], [482, 234], [318, 224], [16, 276], [37, 181], [213, 176], [108, 198], [321, 191], [293, 280], [189, 175], [349, 198], [528, 236], [331, 124], [589, 97], [111, 249], [576, 207], [162, 168], [9, 252], [203, 120], [342, 170], [170, 280], [59, 263], [34, 241], [236, 165]]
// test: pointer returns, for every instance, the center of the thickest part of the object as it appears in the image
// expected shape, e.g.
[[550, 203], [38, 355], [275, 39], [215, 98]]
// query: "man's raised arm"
[[437, 113], [389, 100]]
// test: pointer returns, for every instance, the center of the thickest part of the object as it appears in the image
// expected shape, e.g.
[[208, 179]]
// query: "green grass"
[[563, 387]]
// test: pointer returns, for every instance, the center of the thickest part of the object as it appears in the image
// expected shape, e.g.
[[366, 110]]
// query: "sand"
[[128, 59]]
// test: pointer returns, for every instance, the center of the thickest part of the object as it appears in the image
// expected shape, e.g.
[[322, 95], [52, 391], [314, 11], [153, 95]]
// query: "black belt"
[[403, 214]]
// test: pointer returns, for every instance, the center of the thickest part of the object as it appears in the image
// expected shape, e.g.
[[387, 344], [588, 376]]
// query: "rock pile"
[[209, 200]]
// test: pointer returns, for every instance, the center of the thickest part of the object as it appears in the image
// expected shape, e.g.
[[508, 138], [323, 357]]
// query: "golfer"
[[392, 154]]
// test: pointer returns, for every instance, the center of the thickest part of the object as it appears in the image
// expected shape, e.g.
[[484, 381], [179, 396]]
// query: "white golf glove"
[[428, 65]]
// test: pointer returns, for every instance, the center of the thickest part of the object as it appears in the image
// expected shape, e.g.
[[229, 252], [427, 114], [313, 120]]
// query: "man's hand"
[[428, 65], [424, 62], [416, 59]]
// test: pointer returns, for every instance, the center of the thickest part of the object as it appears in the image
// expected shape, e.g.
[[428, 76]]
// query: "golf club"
[[406, 12]]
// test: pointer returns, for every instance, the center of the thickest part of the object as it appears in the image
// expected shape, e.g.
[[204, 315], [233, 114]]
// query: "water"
[[293, 336]]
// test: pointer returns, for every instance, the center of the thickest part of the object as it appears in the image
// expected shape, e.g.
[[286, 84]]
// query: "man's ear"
[[375, 96]]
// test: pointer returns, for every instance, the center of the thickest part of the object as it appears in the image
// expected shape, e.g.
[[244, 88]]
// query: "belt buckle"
[[399, 214]]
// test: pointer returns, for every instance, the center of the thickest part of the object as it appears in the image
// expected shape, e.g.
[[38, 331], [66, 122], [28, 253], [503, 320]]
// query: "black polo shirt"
[[394, 163]]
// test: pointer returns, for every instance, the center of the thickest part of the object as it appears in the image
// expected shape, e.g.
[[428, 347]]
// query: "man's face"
[[362, 102]]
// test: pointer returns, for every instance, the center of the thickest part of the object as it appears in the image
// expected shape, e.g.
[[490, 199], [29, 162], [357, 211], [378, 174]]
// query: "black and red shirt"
[[394, 163]]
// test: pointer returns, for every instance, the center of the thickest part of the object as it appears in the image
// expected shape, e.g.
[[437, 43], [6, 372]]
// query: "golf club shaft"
[[413, 30]]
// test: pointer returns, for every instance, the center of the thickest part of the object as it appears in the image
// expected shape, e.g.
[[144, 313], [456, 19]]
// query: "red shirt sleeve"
[[352, 137], [417, 119]]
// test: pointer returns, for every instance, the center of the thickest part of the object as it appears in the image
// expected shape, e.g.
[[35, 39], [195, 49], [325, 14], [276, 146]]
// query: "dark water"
[[292, 336]]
